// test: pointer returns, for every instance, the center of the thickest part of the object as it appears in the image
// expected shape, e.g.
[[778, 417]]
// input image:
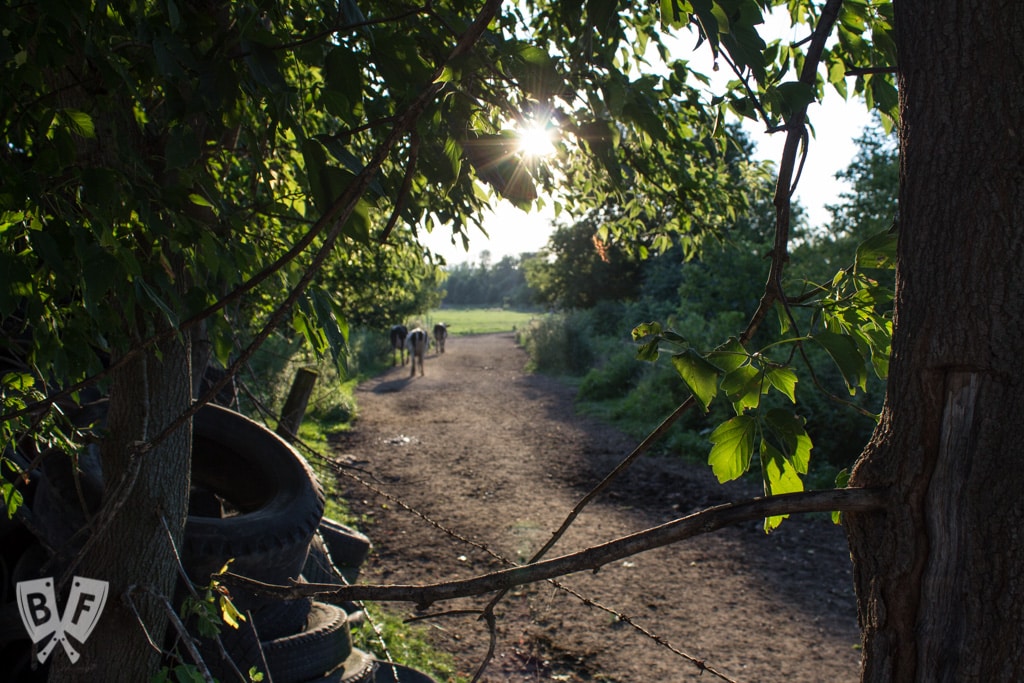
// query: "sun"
[[536, 139]]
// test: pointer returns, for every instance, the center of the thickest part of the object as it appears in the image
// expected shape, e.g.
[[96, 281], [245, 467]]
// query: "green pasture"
[[481, 320]]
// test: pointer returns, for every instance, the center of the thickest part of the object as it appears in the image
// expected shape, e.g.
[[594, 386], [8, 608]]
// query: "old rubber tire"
[[320, 650], [358, 667], [322, 647], [274, 502], [347, 547], [396, 673]]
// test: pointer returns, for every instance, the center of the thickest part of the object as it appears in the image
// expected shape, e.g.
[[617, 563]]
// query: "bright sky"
[[836, 125]]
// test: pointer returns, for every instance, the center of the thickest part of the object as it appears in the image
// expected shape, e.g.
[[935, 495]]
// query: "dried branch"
[[591, 559]]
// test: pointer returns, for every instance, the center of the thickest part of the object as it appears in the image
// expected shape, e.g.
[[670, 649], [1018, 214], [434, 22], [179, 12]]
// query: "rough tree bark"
[[131, 547], [938, 575]]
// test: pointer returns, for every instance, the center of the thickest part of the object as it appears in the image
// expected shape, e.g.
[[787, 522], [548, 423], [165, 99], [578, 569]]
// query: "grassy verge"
[[406, 644], [481, 320]]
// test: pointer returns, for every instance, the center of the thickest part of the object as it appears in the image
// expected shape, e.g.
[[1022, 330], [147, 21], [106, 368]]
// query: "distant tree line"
[[484, 284]]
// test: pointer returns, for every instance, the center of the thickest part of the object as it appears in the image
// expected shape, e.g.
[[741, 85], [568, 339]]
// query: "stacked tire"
[[271, 522], [255, 501]]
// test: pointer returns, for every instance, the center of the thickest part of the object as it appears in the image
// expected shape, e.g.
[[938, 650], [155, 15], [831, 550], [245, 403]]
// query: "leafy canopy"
[[241, 164]]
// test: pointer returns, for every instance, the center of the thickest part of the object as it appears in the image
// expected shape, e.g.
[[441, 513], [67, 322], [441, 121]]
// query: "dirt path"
[[498, 456]]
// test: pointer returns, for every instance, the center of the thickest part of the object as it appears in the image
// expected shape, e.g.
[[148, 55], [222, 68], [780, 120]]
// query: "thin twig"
[[176, 622], [403, 192], [492, 630], [483, 613], [115, 501], [190, 587]]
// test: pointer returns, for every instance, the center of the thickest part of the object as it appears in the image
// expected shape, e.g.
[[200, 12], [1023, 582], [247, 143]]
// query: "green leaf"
[[229, 613], [792, 435], [79, 122], [326, 182], [200, 200], [744, 386], [343, 82], [358, 225], [700, 376], [12, 498], [783, 314], [795, 95], [779, 477], [172, 317], [675, 13], [733, 446], [603, 14], [783, 379], [878, 251], [843, 350], [721, 17], [221, 336], [330, 320], [264, 67], [19, 381], [649, 350], [646, 330], [842, 479], [729, 356]]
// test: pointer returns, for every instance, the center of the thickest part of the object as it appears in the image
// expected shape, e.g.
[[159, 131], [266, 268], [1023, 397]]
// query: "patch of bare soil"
[[498, 456]]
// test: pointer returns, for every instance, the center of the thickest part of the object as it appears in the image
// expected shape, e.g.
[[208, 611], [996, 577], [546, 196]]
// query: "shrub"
[[614, 378], [557, 346]]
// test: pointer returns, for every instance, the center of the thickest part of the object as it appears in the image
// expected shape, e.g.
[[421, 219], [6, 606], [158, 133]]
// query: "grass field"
[[480, 320]]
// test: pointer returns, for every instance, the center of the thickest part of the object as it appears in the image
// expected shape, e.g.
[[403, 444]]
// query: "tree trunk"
[[133, 549], [938, 574]]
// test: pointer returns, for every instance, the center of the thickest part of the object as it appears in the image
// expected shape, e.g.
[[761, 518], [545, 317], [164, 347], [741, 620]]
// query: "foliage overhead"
[[235, 164]]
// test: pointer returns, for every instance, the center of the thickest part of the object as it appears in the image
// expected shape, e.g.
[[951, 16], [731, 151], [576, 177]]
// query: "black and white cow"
[[416, 343], [440, 334], [398, 335]]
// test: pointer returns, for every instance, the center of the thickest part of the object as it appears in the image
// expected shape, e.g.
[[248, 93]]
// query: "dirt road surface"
[[496, 455]]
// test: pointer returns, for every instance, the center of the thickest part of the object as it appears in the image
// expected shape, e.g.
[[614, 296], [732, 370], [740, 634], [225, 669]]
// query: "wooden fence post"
[[295, 405]]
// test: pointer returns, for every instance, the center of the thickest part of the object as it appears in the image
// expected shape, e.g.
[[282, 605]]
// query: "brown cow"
[[440, 334], [398, 334]]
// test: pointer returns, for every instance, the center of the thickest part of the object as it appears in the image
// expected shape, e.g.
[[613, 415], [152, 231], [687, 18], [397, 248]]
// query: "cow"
[[398, 335], [416, 344], [440, 334]]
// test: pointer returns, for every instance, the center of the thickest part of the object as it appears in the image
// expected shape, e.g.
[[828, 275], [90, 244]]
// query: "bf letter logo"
[[37, 605]]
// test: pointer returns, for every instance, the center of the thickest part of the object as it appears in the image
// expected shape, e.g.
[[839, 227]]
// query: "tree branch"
[[784, 186], [591, 559]]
